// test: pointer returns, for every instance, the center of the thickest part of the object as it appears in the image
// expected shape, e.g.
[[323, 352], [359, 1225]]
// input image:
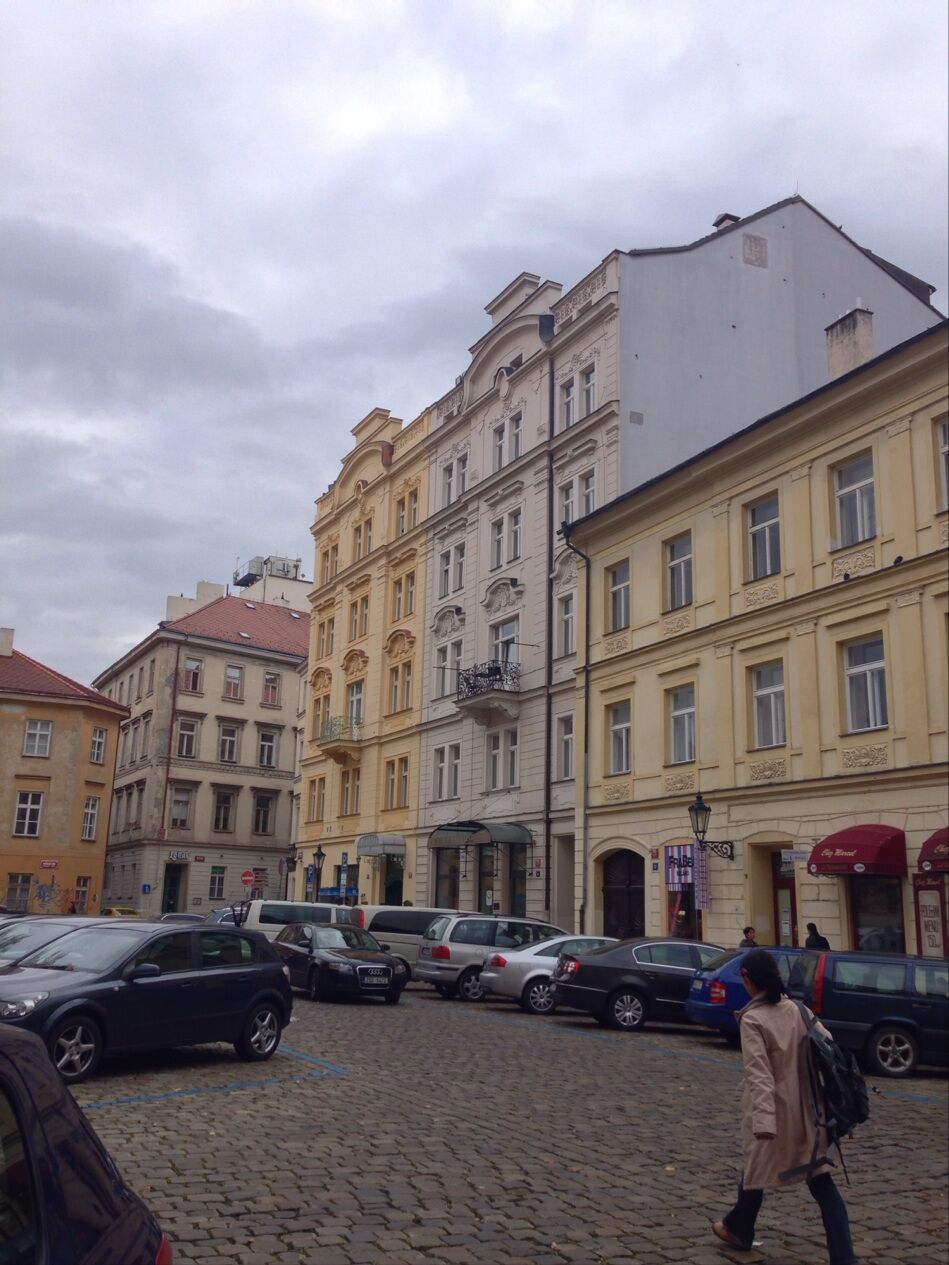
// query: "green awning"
[[478, 834]]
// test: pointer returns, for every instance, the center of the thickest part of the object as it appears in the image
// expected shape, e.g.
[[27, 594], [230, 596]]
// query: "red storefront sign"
[[929, 897]]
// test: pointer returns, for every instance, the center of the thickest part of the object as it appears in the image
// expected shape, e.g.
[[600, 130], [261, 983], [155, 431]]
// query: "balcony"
[[489, 691], [340, 738]]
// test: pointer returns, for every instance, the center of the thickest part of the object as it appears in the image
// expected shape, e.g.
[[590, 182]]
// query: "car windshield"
[[90, 949], [24, 937], [344, 937], [716, 964]]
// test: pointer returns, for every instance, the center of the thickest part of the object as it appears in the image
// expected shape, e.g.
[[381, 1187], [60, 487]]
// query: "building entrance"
[[171, 889], [624, 895], [785, 900]]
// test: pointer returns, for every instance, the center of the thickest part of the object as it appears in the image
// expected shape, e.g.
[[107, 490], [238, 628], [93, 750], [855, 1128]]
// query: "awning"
[[934, 854], [868, 849], [380, 846], [478, 834]]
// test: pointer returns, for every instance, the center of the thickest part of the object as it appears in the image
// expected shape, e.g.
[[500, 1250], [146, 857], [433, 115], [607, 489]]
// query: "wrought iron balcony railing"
[[340, 729], [485, 678]]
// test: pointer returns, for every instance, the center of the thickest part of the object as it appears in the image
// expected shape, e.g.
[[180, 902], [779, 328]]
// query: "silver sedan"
[[524, 973]]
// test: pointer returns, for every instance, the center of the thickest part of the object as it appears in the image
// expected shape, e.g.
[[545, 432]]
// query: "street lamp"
[[699, 814], [290, 862], [319, 856]]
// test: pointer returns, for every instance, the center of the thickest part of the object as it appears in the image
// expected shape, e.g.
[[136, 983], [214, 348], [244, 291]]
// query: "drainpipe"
[[586, 726], [549, 669], [162, 834]]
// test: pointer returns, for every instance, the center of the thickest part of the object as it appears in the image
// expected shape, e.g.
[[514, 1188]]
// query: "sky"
[[229, 230]]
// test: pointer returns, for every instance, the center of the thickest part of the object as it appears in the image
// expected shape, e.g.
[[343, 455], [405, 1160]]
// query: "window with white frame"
[[123, 751], [29, 811], [363, 616], [447, 666], [270, 695], [216, 882], [504, 638], [497, 544], [618, 717], [502, 759], [764, 538], [263, 813], [321, 714], [565, 746], [334, 560], [150, 687], [391, 782], [355, 693], [325, 566], [588, 389], [134, 752], [139, 802], [567, 404], [139, 680], [397, 587], [444, 572], [97, 749], [566, 620], [406, 685], [233, 681], [146, 729], [402, 791], [767, 687], [413, 508], [498, 445], [324, 637], [400, 516], [942, 445], [18, 892], [187, 748], [446, 769], [223, 811], [682, 724], [451, 569], [267, 748], [400, 687], [180, 807], [36, 737], [618, 588], [192, 675], [311, 799], [513, 535], [320, 812], [515, 433], [227, 743], [81, 893], [587, 492], [410, 593], [567, 508], [856, 506], [454, 478], [353, 620], [349, 788], [865, 673], [679, 571]]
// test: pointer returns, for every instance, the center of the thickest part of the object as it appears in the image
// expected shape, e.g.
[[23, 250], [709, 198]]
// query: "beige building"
[[357, 835], [204, 780], [58, 743], [768, 626]]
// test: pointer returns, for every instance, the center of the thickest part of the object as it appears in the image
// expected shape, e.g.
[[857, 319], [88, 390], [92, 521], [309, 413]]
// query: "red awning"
[[934, 854], [861, 850]]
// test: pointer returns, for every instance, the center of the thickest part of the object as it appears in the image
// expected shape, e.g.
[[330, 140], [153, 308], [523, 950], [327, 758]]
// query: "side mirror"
[[385, 947], [143, 970]]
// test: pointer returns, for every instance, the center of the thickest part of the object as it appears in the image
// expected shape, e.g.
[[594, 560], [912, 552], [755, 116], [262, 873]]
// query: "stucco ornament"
[[616, 791], [565, 572], [762, 595], [615, 645], [355, 664], [501, 595], [860, 563], [680, 782], [574, 301], [768, 770], [448, 621], [944, 532], [321, 680], [676, 623], [866, 757], [400, 645]]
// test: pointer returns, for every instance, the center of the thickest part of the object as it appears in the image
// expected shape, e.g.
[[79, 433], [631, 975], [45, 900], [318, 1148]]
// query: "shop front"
[[931, 895], [484, 863], [683, 917], [384, 854], [870, 860]]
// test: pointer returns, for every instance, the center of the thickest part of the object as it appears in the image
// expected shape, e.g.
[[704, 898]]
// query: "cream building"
[[768, 626], [357, 836]]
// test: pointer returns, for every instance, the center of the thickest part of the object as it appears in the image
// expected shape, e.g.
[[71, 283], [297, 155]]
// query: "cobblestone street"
[[437, 1133]]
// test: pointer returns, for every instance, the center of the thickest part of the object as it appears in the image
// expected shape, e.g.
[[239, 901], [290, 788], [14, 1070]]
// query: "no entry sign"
[[247, 878]]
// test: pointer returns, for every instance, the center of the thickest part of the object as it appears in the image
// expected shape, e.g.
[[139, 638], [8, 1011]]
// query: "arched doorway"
[[624, 895]]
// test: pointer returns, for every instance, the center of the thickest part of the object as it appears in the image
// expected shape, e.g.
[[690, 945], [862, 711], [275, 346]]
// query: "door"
[[171, 889], [487, 876], [167, 1009], [624, 895], [228, 978], [785, 900], [517, 879], [672, 964], [931, 1010], [392, 883]]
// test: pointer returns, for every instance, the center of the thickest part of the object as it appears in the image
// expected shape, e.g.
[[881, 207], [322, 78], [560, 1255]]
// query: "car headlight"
[[21, 1006], [343, 967]]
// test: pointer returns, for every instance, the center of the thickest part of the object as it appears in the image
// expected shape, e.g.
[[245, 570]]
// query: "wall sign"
[[178, 855], [49, 865]]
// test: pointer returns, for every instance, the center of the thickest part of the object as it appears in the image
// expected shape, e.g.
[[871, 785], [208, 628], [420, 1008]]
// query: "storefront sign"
[[178, 855], [795, 856], [49, 865], [929, 898], [679, 865]]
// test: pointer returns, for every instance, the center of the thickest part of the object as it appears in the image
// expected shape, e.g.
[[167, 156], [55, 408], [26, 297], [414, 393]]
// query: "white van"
[[401, 927], [271, 916]]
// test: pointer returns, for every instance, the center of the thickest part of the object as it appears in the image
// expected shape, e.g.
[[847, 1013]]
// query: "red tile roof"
[[19, 674], [268, 627]]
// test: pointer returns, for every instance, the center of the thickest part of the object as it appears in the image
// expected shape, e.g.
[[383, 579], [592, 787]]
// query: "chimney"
[[6, 643], [725, 220], [849, 341]]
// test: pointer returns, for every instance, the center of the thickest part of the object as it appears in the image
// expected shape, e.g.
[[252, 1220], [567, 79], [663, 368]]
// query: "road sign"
[[311, 872], [146, 888], [247, 878]]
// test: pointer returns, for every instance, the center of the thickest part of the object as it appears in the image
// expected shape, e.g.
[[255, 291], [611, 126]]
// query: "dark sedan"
[[340, 961], [124, 986], [622, 985]]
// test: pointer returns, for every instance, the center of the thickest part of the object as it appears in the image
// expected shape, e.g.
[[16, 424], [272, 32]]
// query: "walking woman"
[[778, 1133]]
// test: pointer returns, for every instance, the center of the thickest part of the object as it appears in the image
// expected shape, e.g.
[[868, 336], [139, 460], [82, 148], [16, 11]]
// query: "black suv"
[[622, 985], [892, 1010]]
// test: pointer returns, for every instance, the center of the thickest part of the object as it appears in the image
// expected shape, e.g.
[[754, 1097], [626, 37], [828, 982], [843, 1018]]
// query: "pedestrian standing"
[[749, 941], [814, 938], [780, 1141]]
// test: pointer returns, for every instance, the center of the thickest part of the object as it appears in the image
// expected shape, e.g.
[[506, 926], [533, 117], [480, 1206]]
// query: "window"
[[363, 616], [324, 637], [353, 620], [267, 748], [402, 792], [403, 596], [134, 753], [567, 417], [400, 691], [146, 727], [325, 566], [406, 686], [354, 702], [180, 808], [413, 508], [216, 882], [37, 736], [454, 479], [18, 891], [515, 436], [446, 773], [334, 560], [400, 516], [458, 567], [397, 599], [311, 800], [397, 783], [942, 440], [81, 893], [587, 498], [138, 683], [588, 389], [125, 743], [865, 672], [90, 818], [150, 688], [565, 624], [263, 813], [853, 489], [566, 502], [764, 538], [565, 746], [224, 810], [513, 535], [271, 692], [97, 750], [461, 473], [139, 803], [357, 542], [191, 678], [619, 723], [393, 689], [451, 570], [321, 713], [320, 812], [682, 724], [502, 759], [447, 665], [187, 747], [233, 681], [349, 792], [498, 446], [618, 583], [679, 571], [227, 744], [504, 640], [497, 544], [768, 697]]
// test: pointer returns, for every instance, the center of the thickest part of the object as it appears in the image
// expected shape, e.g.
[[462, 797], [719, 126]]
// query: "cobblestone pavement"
[[439, 1133]]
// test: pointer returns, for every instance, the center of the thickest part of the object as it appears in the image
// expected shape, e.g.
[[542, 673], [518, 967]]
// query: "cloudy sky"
[[230, 228]]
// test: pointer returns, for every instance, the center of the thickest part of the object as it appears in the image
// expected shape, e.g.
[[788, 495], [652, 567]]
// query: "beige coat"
[[776, 1097]]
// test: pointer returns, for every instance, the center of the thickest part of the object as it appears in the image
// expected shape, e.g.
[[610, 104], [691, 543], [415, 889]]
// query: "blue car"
[[717, 990]]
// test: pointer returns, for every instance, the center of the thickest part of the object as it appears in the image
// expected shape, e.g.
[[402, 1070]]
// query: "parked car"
[[624, 984], [524, 973], [718, 990], [891, 1009], [125, 986], [401, 925], [182, 918], [454, 948], [119, 911], [270, 916], [340, 961], [24, 936], [64, 1200]]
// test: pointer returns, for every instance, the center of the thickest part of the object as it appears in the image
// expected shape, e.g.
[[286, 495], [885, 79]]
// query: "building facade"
[[768, 626], [58, 744], [204, 777]]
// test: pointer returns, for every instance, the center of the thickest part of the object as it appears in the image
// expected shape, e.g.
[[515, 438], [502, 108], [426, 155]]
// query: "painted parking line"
[[198, 1091], [332, 1068]]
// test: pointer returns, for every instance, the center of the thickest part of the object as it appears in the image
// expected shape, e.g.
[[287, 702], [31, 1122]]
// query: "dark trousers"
[[741, 1220]]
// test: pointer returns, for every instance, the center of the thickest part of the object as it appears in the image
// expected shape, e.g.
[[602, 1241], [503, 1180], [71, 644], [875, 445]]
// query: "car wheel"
[[626, 1010], [537, 997], [75, 1046], [447, 991], [408, 969], [469, 985], [392, 998], [261, 1034], [892, 1052], [313, 984]]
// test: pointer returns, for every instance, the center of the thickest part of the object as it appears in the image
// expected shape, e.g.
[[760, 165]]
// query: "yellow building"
[[357, 835], [58, 743], [768, 627]]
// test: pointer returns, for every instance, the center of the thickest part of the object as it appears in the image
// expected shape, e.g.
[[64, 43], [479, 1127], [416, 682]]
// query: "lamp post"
[[319, 856], [699, 814], [290, 862]]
